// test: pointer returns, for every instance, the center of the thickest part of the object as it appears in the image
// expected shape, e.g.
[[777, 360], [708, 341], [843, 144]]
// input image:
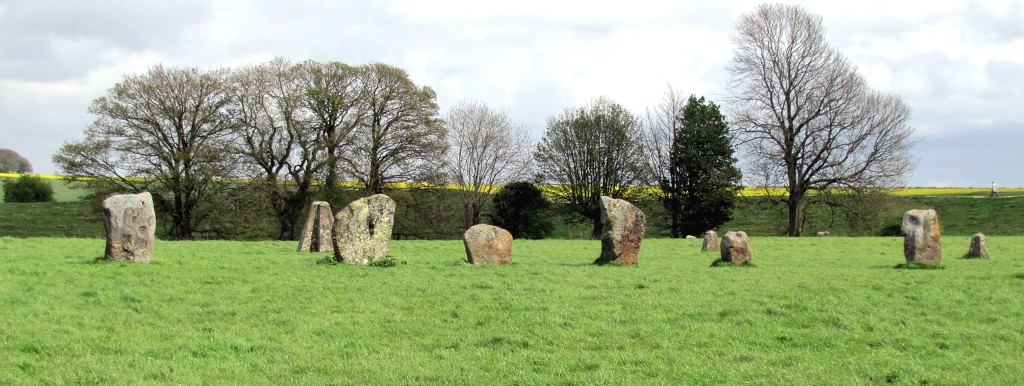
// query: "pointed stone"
[[979, 247], [130, 223], [623, 225], [317, 234], [923, 241], [487, 244], [710, 243], [362, 230]]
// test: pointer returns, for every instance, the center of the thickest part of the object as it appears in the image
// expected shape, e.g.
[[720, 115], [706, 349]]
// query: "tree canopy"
[[592, 151]]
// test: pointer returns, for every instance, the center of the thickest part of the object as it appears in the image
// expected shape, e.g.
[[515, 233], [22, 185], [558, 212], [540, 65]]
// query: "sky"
[[958, 64]]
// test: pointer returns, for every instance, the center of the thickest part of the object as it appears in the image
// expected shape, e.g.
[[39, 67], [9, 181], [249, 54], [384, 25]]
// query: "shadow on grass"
[[919, 266], [724, 263], [972, 257], [92, 261]]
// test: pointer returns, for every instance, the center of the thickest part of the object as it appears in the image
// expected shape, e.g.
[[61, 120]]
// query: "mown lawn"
[[813, 311]]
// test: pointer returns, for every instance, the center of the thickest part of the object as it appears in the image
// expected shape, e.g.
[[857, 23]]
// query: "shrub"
[[521, 208], [27, 189]]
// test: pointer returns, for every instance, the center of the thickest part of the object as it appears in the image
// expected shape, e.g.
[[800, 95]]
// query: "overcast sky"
[[958, 64]]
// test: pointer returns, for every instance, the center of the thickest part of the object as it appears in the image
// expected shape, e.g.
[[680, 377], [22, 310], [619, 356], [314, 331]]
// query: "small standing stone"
[[487, 244], [362, 230], [922, 243], [710, 243], [736, 248], [979, 247], [316, 235], [691, 237], [130, 223], [822, 233], [624, 225]]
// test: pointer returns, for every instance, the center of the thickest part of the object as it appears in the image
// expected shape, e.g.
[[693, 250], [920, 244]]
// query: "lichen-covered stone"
[[487, 244], [922, 243], [735, 248], [623, 231], [710, 243], [317, 235], [362, 230], [979, 247], [130, 223]]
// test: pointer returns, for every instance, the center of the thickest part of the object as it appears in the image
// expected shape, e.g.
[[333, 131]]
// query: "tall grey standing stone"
[[318, 232], [624, 225], [130, 223], [487, 244], [710, 243], [979, 247], [736, 248], [922, 243], [362, 230]]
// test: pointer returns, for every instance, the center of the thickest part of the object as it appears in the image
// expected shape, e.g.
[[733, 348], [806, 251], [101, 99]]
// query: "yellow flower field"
[[651, 190]]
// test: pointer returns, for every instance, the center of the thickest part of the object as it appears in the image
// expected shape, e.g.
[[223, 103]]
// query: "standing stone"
[[131, 227], [691, 237], [922, 243], [362, 230], [736, 248], [710, 243], [979, 247], [487, 244], [822, 233], [317, 234], [624, 226]]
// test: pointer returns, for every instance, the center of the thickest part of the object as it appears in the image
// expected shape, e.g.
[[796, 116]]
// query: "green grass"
[[56, 219], [814, 311]]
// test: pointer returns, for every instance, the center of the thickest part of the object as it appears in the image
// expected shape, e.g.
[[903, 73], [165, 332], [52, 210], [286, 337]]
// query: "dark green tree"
[[703, 174], [27, 188], [520, 208]]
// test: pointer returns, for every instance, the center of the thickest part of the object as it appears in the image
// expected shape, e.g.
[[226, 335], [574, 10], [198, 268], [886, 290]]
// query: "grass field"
[[813, 311]]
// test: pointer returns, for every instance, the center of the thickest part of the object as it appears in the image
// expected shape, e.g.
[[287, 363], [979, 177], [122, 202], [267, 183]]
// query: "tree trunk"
[[598, 227], [796, 213], [673, 213]]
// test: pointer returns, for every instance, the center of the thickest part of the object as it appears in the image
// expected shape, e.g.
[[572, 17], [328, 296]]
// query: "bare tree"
[[661, 124], [334, 104], [399, 138], [589, 152], [165, 131], [279, 142], [805, 118], [485, 150]]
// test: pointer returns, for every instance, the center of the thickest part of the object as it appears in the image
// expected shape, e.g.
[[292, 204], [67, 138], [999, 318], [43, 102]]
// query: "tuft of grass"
[[387, 262]]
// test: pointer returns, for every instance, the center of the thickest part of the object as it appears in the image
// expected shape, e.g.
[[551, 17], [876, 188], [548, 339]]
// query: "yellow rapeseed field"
[[652, 190]]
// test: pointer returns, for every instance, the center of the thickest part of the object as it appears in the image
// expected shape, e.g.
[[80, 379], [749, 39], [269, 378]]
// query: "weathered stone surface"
[[319, 230], [624, 225], [131, 227], [979, 246], [710, 243], [487, 244], [736, 248], [362, 230], [922, 243]]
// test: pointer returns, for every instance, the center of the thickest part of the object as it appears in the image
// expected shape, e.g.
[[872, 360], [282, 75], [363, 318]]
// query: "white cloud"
[[959, 64]]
